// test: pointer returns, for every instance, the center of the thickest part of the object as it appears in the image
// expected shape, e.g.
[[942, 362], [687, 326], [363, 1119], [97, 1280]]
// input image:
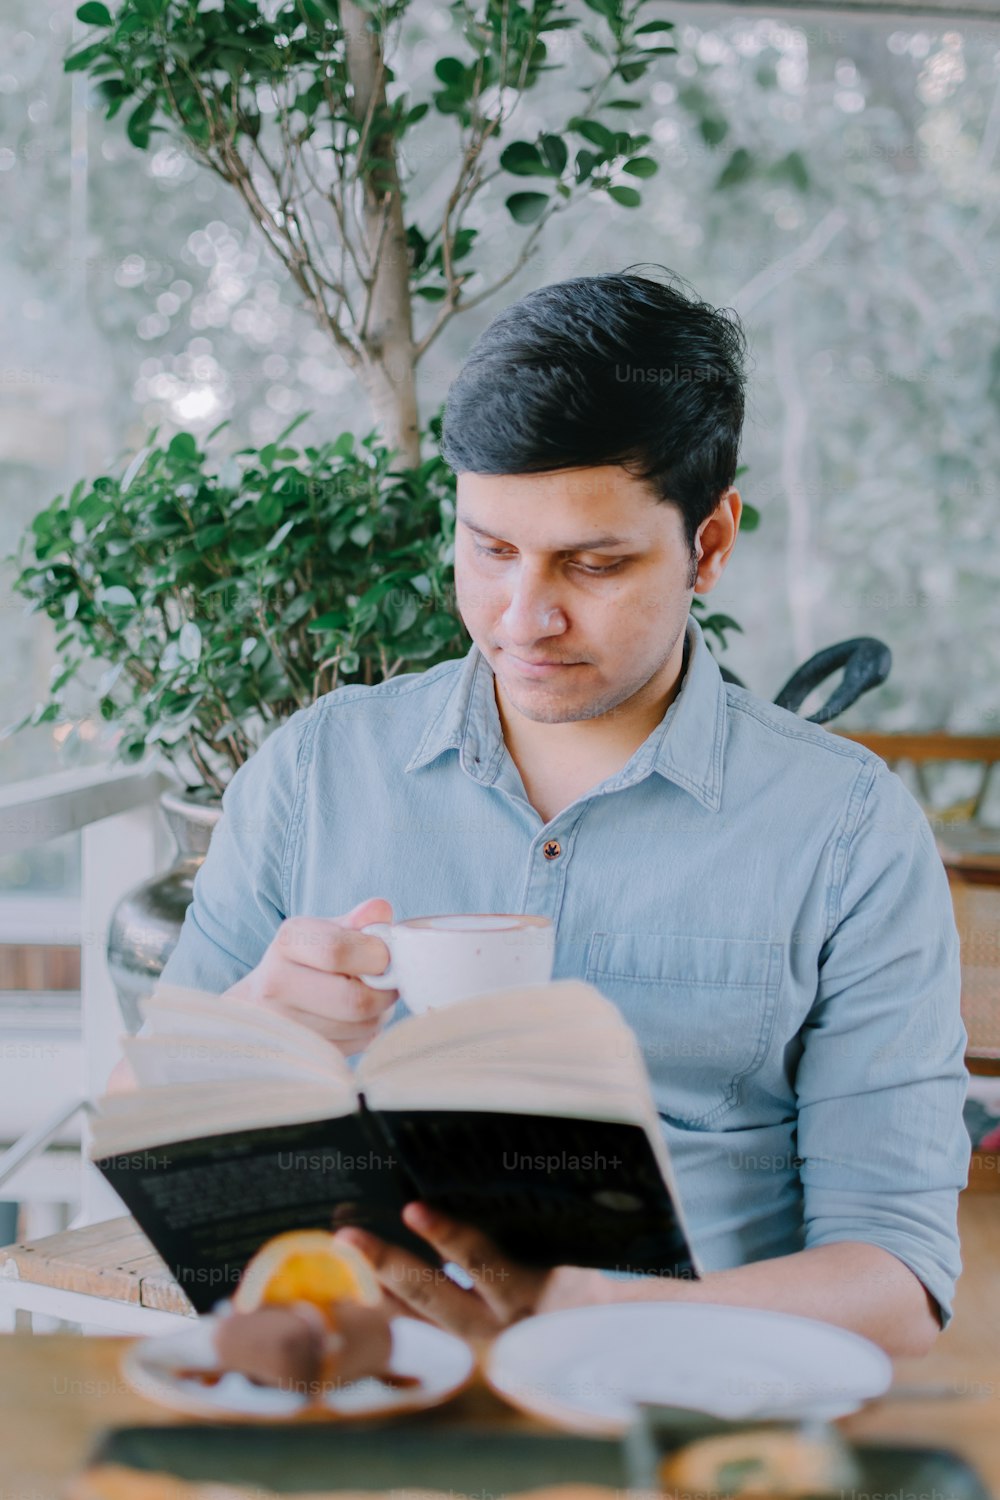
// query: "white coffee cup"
[[436, 961]]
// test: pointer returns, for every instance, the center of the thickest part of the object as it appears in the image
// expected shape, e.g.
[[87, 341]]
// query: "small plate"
[[590, 1369], [157, 1368]]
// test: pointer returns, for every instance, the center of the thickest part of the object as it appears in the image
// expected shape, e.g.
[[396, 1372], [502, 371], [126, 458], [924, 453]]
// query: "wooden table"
[[57, 1391], [107, 1276]]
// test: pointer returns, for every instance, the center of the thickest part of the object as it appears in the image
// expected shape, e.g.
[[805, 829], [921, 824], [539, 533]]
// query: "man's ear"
[[715, 540]]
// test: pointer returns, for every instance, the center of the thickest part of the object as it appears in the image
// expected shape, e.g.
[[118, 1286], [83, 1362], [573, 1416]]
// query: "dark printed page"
[[207, 1205], [550, 1191]]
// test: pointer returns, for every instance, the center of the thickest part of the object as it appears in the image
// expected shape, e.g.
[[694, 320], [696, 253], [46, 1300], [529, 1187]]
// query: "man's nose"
[[534, 610]]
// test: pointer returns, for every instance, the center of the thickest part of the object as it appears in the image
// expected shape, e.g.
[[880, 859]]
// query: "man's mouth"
[[540, 668]]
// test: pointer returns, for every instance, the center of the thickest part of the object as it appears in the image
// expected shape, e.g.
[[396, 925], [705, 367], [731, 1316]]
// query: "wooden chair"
[[971, 855]]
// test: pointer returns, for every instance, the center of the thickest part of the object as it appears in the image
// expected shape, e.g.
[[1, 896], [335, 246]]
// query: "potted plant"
[[202, 606]]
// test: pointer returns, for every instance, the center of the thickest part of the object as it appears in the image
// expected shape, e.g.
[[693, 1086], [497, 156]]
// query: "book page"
[[150, 1117], [173, 1009], [561, 1044], [158, 1060], [208, 1204]]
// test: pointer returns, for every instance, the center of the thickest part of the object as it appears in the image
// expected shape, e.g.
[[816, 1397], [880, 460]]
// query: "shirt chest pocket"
[[702, 1008]]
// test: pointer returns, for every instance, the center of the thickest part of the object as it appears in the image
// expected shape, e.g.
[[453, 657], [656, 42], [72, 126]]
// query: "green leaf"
[[595, 45], [555, 153], [115, 100], [738, 168], [750, 518], [724, 622], [713, 130], [417, 246], [303, 416], [137, 128], [451, 71], [270, 509], [623, 104], [792, 168], [80, 60], [279, 535], [189, 641], [449, 102], [183, 446], [401, 612], [524, 160], [628, 197], [653, 26], [115, 597], [606, 8], [463, 243], [94, 14], [641, 166], [586, 161], [525, 208], [597, 134], [629, 72], [430, 293], [334, 619]]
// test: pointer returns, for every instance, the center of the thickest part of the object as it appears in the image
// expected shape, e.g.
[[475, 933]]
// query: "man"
[[762, 899]]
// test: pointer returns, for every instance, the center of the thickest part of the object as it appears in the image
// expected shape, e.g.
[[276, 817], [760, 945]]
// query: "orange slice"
[[306, 1265]]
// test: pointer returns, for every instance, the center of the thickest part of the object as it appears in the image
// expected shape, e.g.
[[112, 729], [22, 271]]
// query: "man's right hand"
[[310, 973]]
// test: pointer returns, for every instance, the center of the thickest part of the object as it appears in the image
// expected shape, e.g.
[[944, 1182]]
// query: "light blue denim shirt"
[[762, 899]]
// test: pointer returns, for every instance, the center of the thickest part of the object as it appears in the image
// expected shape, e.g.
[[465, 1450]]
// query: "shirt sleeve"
[[240, 893], [881, 1080]]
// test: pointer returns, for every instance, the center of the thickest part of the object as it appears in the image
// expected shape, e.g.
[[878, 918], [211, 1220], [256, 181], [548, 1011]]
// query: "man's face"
[[539, 578]]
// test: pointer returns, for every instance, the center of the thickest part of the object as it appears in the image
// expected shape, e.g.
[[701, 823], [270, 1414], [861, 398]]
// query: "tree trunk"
[[387, 374]]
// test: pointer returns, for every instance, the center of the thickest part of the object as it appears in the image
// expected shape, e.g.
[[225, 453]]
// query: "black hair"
[[608, 369]]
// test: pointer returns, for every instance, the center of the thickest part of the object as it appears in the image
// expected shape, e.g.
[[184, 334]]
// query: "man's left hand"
[[502, 1292]]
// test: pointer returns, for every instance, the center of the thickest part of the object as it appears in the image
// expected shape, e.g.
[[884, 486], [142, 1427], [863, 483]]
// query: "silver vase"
[[147, 921]]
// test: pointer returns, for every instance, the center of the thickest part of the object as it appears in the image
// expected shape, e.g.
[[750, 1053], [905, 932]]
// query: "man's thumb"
[[372, 910]]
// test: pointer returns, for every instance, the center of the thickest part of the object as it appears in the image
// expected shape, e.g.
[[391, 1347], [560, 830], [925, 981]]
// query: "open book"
[[526, 1112]]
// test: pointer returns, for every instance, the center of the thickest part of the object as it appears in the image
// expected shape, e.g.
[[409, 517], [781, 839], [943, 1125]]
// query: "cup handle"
[[390, 979]]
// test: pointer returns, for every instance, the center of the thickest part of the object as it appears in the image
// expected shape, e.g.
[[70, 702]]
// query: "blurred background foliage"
[[835, 181]]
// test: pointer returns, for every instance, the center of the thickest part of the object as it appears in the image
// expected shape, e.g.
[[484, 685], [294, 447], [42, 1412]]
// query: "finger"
[[323, 944], [312, 1000], [332, 997], [375, 909], [396, 1308], [509, 1290], [423, 1289], [345, 1036]]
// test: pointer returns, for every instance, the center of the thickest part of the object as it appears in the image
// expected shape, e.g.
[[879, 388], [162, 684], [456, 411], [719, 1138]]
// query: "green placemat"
[[486, 1465], [482, 1464]]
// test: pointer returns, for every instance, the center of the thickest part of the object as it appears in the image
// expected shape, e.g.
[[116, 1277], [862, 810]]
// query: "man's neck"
[[559, 762]]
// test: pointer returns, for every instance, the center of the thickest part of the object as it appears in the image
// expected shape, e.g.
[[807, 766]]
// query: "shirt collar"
[[686, 747]]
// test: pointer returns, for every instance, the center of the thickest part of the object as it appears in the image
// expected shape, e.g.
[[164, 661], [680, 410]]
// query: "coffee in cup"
[[436, 961]]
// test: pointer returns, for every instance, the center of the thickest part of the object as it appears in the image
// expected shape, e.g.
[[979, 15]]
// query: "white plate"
[[153, 1367], [588, 1368]]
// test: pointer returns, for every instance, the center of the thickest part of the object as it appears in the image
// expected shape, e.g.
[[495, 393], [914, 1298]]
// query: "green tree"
[[303, 110]]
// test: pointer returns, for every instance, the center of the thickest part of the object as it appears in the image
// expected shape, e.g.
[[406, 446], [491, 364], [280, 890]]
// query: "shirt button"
[[552, 849]]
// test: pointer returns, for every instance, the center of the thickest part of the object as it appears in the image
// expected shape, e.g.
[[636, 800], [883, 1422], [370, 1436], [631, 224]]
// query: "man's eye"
[[593, 572]]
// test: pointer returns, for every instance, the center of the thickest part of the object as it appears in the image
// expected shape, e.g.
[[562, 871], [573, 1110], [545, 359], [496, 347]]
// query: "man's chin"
[[544, 703]]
